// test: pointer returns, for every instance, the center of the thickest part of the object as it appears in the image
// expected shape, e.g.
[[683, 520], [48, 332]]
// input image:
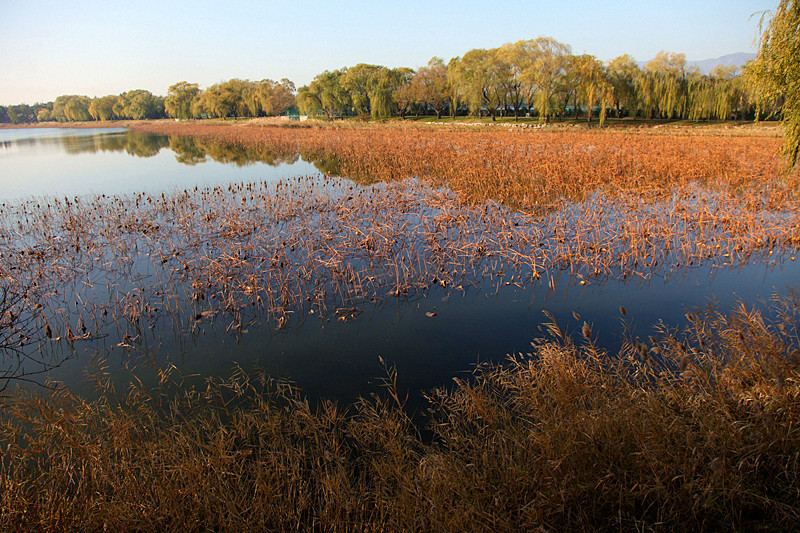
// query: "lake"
[[332, 325]]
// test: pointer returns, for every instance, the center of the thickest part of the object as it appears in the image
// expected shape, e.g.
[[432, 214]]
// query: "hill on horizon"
[[707, 65]]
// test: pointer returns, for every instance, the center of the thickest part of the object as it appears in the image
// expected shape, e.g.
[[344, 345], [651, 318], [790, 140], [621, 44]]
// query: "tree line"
[[538, 78], [233, 98]]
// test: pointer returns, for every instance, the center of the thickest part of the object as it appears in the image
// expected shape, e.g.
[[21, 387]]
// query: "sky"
[[100, 47]]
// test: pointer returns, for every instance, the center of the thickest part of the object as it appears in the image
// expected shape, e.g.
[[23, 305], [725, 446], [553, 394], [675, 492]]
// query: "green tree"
[[545, 73], [71, 108], [358, 81], [180, 97], [405, 98], [478, 79], [103, 108], [219, 100], [139, 104], [12, 115], [275, 98], [44, 115], [325, 94], [593, 86], [518, 58], [662, 87], [622, 74], [775, 74], [383, 85], [308, 102]]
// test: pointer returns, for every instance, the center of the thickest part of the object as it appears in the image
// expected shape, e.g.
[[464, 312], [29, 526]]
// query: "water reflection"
[[188, 150], [93, 141], [62, 161], [191, 151]]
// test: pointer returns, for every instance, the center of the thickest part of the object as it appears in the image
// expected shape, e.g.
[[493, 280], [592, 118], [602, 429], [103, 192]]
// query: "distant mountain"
[[707, 65]]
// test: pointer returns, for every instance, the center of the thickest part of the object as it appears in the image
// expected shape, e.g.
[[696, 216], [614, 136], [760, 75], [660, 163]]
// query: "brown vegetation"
[[523, 169], [692, 429], [689, 430]]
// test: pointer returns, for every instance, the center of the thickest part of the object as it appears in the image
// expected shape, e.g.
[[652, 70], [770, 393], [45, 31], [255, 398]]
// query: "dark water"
[[430, 338]]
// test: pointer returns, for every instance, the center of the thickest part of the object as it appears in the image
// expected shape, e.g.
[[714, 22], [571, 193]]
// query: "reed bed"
[[691, 429], [247, 255], [526, 170]]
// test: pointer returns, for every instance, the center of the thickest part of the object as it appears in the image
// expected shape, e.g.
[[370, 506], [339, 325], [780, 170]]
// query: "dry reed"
[[560, 439]]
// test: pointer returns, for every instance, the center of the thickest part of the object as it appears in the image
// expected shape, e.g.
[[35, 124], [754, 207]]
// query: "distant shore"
[[724, 128]]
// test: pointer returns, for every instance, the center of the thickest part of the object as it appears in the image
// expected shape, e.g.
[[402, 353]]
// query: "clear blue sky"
[[95, 47]]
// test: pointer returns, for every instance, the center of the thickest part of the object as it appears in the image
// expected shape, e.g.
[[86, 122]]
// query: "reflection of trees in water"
[[133, 142], [190, 151], [142, 145], [186, 150], [330, 165]]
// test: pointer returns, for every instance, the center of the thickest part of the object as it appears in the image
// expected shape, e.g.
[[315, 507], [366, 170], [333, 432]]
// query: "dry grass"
[[689, 430], [523, 169]]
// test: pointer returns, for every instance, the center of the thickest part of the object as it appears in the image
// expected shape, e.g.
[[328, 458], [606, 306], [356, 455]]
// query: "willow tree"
[[358, 81], [479, 77], [728, 92], [326, 94], [139, 104], [776, 71], [308, 102], [662, 86], [518, 58], [700, 89], [71, 108], [545, 73], [622, 74], [178, 103], [102, 108], [714, 96], [593, 85], [405, 98], [275, 98], [382, 86]]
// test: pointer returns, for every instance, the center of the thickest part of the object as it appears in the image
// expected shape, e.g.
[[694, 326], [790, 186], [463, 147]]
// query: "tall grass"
[[694, 429]]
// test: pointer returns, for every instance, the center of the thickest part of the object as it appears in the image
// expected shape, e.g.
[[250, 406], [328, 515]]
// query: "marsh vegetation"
[[687, 424]]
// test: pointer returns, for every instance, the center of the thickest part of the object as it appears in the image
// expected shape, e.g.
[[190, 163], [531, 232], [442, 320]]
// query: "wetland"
[[421, 269]]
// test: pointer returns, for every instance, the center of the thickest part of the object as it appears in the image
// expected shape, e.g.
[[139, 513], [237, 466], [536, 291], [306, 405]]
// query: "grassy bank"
[[689, 430]]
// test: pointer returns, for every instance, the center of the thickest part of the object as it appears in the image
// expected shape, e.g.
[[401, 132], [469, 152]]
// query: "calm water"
[[69, 162], [327, 357]]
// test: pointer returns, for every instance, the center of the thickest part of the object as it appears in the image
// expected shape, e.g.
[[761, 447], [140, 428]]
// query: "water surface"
[[67, 162]]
